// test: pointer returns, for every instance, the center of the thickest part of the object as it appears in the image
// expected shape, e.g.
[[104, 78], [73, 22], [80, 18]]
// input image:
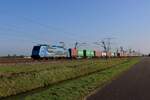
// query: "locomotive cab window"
[[36, 48]]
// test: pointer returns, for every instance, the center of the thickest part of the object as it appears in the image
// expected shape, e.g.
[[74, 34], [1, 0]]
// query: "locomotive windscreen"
[[36, 48]]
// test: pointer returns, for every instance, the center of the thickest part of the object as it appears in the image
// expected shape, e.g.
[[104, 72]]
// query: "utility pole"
[[105, 44], [78, 44]]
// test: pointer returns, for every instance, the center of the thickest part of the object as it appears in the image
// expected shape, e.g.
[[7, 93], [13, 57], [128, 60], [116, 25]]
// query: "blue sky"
[[23, 23]]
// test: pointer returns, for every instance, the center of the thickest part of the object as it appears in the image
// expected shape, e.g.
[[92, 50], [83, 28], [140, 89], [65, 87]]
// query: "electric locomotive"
[[47, 51]]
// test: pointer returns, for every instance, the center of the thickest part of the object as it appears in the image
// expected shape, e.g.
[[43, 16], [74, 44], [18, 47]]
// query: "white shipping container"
[[104, 54], [112, 54]]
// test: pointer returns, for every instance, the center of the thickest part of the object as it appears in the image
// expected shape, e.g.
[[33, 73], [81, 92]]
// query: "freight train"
[[46, 52]]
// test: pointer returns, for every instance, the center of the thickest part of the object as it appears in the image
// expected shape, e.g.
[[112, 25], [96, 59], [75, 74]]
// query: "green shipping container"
[[92, 53], [89, 53], [80, 53]]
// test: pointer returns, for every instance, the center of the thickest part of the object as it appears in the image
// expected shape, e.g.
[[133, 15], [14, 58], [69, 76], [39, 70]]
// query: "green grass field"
[[85, 76]]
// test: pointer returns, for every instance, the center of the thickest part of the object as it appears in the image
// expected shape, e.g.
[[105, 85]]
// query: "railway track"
[[14, 60], [20, 60], [4, 61]]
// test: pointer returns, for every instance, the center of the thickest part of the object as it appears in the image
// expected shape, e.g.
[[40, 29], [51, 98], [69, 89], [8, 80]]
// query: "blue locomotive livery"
[[47, 51]]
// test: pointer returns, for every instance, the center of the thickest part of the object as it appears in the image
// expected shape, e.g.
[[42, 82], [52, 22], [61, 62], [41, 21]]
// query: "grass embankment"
[[77, 89], [20, 78]]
